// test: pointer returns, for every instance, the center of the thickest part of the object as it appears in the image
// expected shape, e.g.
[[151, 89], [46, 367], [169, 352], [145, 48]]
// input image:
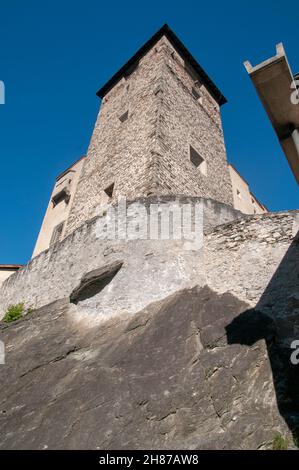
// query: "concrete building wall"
[[277, 88], [148, 152], [244, 200], [57, 213]]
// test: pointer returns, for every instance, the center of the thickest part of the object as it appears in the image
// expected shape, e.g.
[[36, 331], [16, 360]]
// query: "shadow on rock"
[[276, 320]]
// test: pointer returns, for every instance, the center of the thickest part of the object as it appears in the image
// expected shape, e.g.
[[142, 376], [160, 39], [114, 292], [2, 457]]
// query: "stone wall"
[[243, 257], [120, 152], [152, 269], [186, 120], [256, 258], [148, 153]]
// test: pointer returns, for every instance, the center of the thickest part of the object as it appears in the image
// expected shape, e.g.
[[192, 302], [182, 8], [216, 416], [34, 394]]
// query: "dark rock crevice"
[[95, 281]]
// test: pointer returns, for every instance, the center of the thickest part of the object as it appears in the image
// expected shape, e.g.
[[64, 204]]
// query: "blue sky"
[[55, 55]]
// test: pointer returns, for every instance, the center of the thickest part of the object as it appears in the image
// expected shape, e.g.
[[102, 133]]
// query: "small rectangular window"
[[130, 70], [190, 70], [56, 234], [195, 158], [198, 161], [124, 116], [195, 94], [109, 190], [62, 195]]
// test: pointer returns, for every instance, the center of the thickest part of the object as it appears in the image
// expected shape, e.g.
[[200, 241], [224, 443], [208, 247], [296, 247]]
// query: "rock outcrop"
[[183, 373], [148, 345]]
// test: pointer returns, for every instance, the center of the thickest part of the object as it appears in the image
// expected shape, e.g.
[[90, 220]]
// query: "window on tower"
[[195, 94], [198, 161], [129, 70], [124, 116], [56, 234], [109, 190], [190, 70]]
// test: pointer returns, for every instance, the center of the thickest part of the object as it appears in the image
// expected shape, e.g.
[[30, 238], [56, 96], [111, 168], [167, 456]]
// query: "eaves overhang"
[[276, 87], [180, 48]]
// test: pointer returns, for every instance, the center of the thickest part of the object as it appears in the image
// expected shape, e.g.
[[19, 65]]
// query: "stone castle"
[[158, 133], [142, 343]]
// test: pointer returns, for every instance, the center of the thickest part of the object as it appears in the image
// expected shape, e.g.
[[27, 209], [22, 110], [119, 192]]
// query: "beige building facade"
[[244, 199], [62, 197], [7, 270]]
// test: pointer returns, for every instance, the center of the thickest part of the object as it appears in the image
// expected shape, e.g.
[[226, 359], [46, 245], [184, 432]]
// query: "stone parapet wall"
[[154, 268], [256, 258], [243, 256]]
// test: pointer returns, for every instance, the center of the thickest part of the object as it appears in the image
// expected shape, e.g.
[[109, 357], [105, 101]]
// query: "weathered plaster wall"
[[244, 200], [59, 213]]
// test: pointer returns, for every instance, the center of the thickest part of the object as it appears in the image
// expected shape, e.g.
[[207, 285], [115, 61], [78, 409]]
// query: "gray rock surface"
[[175, 375]]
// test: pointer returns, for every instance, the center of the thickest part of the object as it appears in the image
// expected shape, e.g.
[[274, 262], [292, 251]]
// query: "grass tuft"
[[13, 313], [279, 442]]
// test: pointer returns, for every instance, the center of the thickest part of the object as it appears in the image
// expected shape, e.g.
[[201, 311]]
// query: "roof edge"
[[11, 266], [69, 168], [179, 46], [237, 171]]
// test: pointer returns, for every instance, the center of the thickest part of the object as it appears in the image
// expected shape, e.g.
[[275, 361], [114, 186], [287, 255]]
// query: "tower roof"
[[181, 49]]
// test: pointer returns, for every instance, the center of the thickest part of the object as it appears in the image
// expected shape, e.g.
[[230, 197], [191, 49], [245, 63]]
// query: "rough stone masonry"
[[240, 256], [142, 343], [141, 141]]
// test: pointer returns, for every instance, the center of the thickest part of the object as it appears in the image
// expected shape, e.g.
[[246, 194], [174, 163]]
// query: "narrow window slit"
[[109, 190]]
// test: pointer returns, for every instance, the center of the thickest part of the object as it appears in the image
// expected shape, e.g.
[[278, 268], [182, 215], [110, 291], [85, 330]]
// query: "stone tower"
[[158, 132]]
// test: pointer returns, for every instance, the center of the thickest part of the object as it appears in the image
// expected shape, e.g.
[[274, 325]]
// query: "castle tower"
[[158, 132]]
